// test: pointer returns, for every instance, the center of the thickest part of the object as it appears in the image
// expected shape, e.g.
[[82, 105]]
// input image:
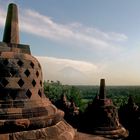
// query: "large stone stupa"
[[25, 112]]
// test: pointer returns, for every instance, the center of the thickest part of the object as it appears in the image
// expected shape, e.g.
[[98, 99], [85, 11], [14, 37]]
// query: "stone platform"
[[61, 131], [84, 136]]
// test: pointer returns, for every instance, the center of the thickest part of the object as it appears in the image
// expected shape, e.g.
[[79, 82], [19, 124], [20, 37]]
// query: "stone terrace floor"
[[83, 136]]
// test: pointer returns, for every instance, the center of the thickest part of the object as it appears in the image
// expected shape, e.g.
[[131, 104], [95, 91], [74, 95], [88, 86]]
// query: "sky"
[[81, 41]]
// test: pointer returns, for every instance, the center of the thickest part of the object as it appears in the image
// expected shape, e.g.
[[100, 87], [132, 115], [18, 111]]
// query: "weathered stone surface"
[[83, 136], [25, 112], [60, 131]]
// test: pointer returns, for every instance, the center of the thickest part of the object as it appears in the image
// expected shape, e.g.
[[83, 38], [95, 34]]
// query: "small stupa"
[[25, 112], [102, 116], [108, 120], [129, 116]]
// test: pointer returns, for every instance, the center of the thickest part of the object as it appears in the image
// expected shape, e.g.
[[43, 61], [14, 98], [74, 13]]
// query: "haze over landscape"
[[80, 42]]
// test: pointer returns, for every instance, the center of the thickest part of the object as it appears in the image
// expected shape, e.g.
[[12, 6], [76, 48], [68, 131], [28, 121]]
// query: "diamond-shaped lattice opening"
[[28, 93], [32, 64], [4, 82], [34, 83], [20, 63], [5, 62], [27, 72], [20, 82], [37, 73], [39, 93], [41, 83], [39, 65], [12, 72]]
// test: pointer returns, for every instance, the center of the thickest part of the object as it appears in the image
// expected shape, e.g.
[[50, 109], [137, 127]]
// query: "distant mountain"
[[72, 75], [67, 71], [71, 72]]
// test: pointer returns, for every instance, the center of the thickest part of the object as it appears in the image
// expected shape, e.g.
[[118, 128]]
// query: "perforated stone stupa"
[[102, 117], [25, 112], [108, 120]]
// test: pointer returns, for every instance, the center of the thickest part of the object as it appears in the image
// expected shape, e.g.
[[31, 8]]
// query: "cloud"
[[41, 25], [35, 23], [2, 17], [68, 71], [97, 33]]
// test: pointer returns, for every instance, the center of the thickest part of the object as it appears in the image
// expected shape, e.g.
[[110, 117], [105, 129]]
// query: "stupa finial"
[[102, 94], [11, 31]]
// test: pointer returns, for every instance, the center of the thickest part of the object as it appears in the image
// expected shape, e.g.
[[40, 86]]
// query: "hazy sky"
[[82, 41]]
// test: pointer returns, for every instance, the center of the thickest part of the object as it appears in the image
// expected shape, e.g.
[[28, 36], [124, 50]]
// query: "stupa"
[[25, 112], [102, 117], [108, 120], [129, 116]]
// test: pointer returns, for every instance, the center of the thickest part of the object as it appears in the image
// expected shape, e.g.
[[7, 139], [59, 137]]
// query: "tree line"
[[82, 95]]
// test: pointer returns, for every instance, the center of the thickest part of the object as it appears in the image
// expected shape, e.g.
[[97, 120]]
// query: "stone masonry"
[[25, 112]]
